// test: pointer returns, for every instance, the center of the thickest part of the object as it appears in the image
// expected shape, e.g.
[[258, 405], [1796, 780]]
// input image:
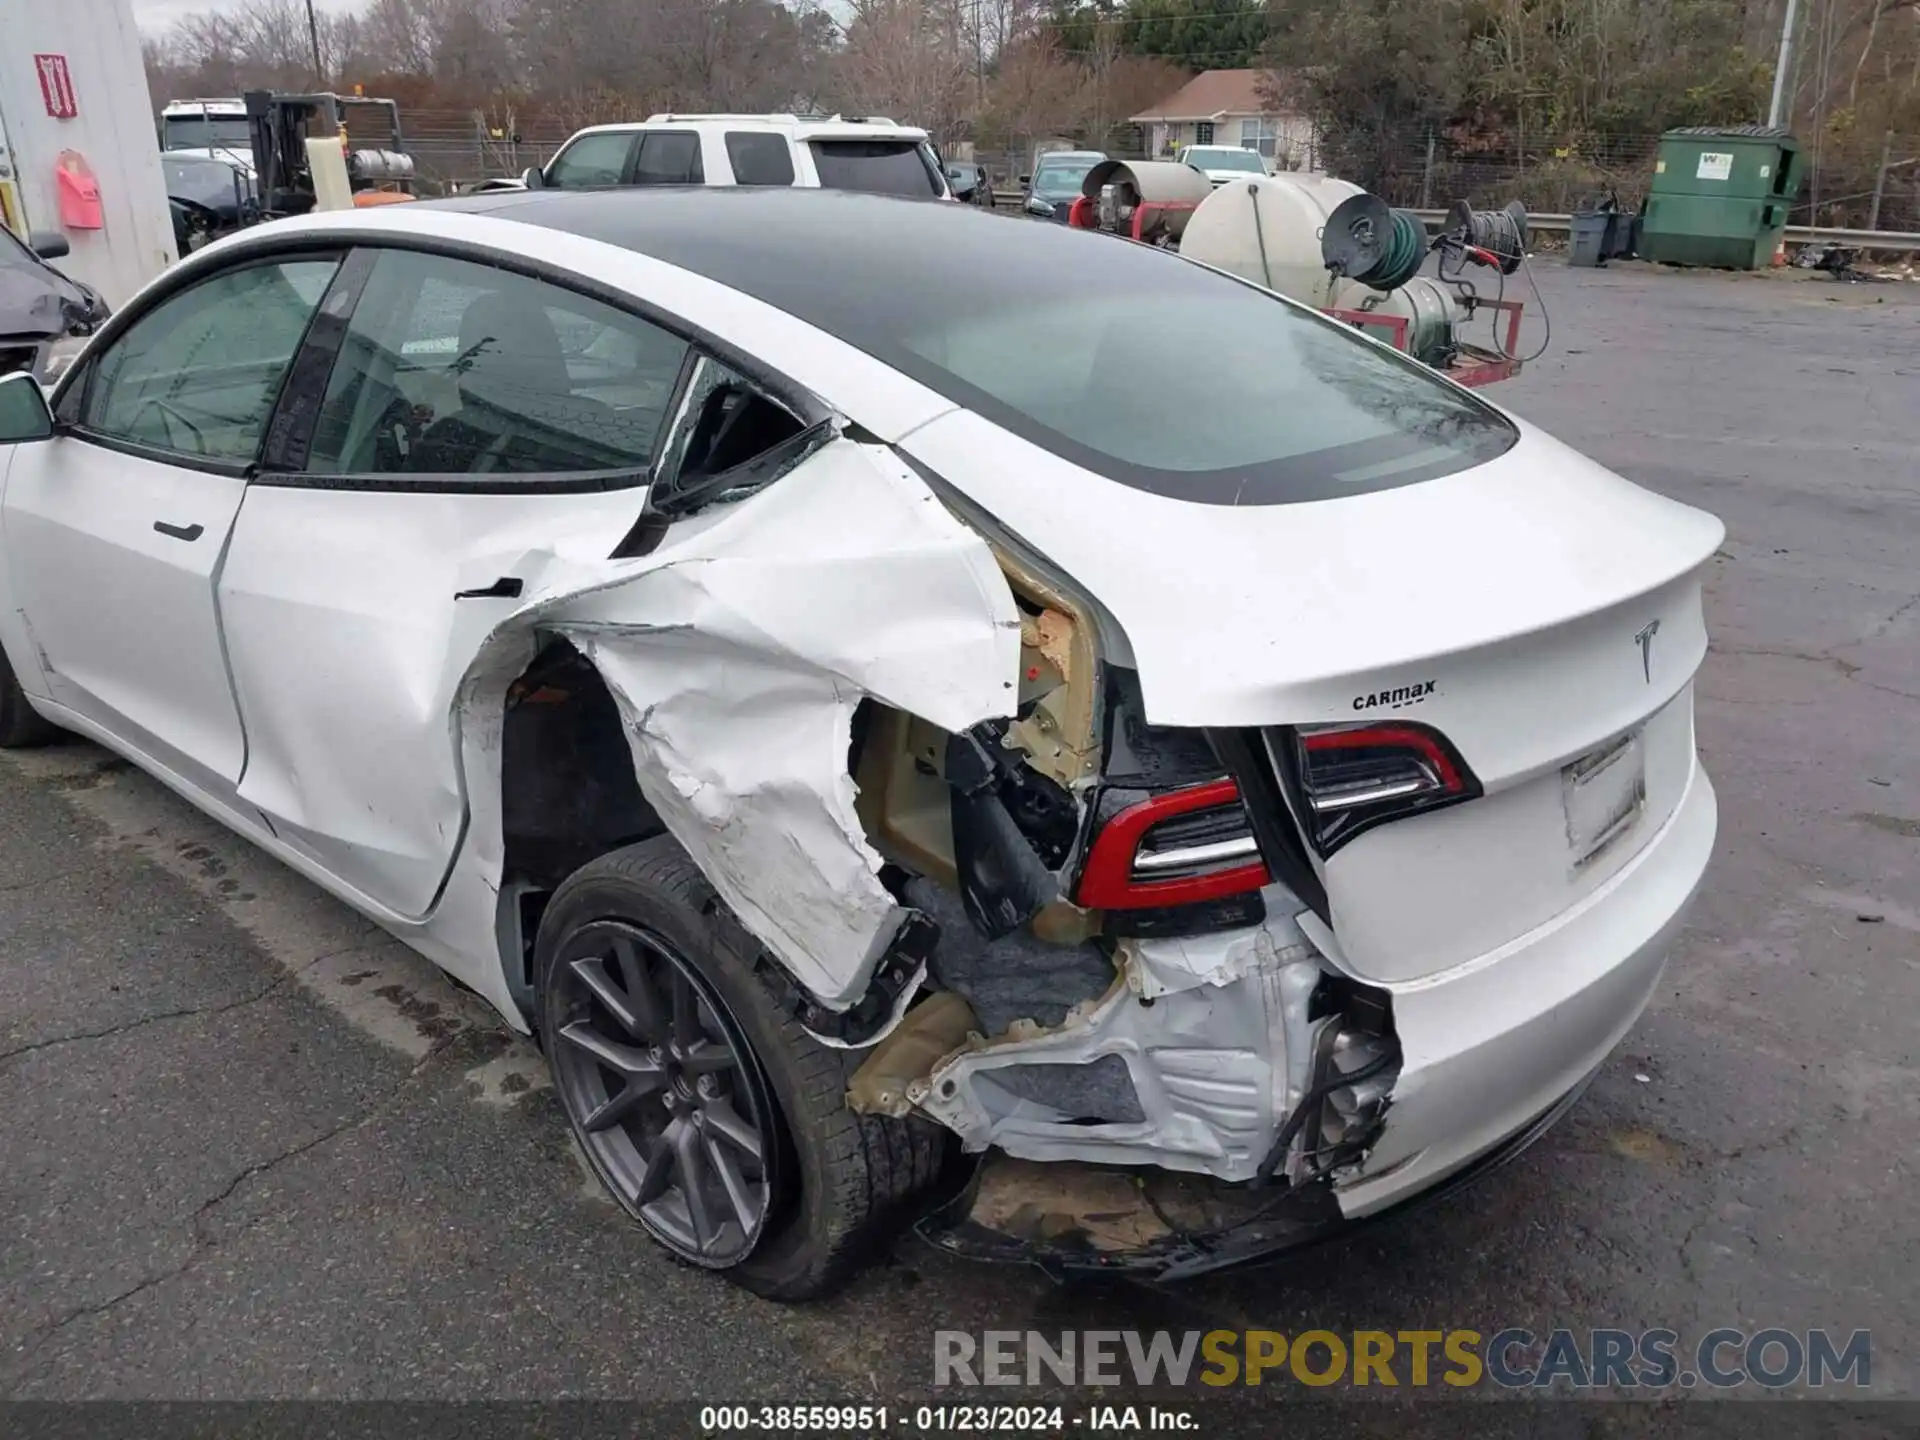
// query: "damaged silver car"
[[927, 719]]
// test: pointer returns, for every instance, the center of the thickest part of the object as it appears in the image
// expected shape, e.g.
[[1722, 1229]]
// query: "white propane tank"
[[1267, 230]]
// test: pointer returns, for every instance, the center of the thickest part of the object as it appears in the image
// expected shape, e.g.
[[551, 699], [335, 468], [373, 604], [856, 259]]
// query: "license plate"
[[1605, 794]]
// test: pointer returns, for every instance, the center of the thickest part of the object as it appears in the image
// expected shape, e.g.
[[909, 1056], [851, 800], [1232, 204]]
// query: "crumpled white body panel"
[[738, 652], [1170, 964], [1216, 1062]]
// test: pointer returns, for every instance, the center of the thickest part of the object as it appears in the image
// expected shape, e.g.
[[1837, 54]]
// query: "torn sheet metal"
[[1165, 966], [1209, 1066], [738, 651]]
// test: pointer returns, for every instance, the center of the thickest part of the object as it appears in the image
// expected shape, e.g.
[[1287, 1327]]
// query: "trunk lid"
[[1541, 613]]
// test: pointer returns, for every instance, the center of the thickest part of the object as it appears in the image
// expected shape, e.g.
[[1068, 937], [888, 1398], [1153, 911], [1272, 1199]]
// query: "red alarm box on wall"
[[79, 193]]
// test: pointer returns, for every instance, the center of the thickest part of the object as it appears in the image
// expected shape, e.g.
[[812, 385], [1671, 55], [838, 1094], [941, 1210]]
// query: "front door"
[[116, 529]]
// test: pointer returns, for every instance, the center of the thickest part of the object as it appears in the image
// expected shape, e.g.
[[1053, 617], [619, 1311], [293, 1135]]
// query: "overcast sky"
[[154, 15]]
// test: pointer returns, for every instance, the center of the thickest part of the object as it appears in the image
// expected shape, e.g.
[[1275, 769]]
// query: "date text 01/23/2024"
[[975, 1419]]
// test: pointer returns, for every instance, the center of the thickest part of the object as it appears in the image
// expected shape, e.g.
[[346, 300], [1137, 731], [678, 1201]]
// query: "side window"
[[451, 367], [724, 426], [592, 160], [198, 374], [759, 158], [669, 157]]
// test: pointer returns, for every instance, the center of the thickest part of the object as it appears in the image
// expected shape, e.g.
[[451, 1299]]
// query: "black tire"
[[21, 725], [846, 1178]]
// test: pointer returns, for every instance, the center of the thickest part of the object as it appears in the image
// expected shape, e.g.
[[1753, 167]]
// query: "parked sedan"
[[864, 727], [1055, 182]]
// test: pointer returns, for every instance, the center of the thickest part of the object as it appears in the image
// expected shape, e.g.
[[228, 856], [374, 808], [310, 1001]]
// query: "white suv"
[[862, 153]]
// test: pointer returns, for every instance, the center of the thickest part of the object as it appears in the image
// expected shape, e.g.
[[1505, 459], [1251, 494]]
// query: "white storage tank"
[[1267, 230]]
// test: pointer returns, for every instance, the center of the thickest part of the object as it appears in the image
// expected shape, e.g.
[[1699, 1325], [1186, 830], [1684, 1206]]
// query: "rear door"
[[669, 157], [115, 530], [465, 428]]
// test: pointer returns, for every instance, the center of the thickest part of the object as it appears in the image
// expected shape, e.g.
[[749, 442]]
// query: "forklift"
[[378, 170]]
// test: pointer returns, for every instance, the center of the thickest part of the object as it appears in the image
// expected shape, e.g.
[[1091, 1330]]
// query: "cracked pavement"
[[252, 1147]]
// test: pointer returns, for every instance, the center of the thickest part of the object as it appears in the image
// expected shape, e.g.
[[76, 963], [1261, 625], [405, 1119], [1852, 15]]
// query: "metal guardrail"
[[1796, 234], [1905, 242]]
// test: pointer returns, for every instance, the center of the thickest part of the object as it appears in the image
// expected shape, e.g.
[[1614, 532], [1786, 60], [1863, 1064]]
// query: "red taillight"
[[1358, 776], [1182, 848]]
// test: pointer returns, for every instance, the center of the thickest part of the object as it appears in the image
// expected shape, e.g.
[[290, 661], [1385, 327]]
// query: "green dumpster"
[[1720, 196]]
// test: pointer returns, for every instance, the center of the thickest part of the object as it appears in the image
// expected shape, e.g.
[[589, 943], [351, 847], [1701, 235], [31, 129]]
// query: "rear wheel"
[[20, 725], [708, 1113]]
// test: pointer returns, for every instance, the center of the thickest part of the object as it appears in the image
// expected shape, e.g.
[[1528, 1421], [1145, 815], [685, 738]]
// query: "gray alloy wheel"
[[663, 1091]]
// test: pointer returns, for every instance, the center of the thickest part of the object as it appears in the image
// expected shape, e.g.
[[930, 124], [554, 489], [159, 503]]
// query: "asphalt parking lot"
[[254, 1148]]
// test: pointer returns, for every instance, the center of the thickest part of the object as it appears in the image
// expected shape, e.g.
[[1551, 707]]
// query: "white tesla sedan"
[[872, 684]]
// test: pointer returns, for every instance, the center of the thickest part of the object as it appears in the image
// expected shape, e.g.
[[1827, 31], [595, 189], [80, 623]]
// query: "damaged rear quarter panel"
[[738, 651]]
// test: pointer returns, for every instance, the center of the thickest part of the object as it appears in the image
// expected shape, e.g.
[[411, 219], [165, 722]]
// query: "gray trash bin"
[[1590, 238], [1626, 235]]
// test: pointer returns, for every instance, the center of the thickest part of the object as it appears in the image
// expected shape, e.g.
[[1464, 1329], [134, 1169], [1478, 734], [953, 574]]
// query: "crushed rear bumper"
[[1074, 1221]]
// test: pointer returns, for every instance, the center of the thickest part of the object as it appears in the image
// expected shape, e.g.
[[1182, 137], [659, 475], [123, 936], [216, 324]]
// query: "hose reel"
[[1496, 238], [1367, 240]]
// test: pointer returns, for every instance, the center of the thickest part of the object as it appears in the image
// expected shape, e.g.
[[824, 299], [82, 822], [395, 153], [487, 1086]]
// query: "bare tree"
[[405, 34], [1037, 90], [1102, 56], [908, 59]]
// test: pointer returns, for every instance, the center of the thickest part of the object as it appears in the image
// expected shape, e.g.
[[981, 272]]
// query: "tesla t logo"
[[1644, 639]]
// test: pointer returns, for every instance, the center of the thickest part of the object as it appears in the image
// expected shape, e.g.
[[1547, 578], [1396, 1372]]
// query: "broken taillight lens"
[[1354, 777], [1184, 847]]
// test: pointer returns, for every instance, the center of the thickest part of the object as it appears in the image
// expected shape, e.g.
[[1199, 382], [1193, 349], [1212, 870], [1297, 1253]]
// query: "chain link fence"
[[1553, 175], [1851, 180], [452, 149]]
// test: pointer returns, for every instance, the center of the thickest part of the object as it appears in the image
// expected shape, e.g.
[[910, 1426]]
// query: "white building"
[[1225, 107]]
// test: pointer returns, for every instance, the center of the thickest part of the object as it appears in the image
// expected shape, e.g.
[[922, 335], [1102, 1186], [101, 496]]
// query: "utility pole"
[[1781, 67], [313, 37]]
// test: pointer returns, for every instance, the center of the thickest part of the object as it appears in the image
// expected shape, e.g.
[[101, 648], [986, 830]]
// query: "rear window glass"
[[1199, 390], [880, 167], [1061, 177], [1225, 159]]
